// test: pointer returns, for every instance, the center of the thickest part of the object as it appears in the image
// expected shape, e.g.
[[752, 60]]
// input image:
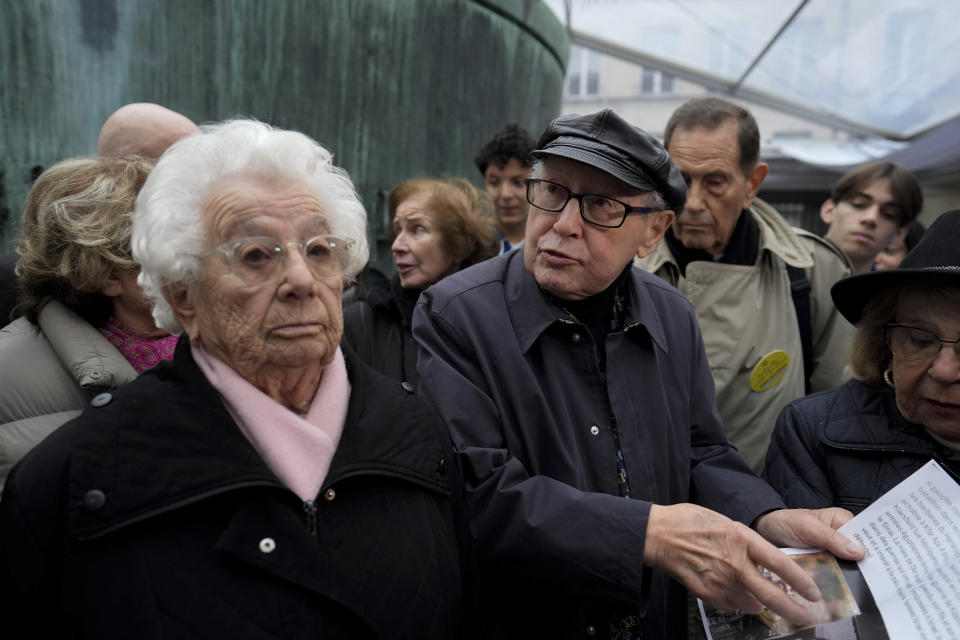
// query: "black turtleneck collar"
[[598, 308], [743, 247], [602, 312]]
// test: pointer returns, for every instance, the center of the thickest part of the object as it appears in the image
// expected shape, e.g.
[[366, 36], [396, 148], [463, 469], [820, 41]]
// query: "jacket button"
[[591, 630], [94, 499], [443, 464], [408, 386], [101, 399], [329, 494], [575, 338], [95, 375], [595, 430], [267, 545]]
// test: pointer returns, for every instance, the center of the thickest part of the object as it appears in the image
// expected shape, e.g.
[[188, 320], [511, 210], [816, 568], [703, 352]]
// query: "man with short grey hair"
[[761, 288], [580, 402]]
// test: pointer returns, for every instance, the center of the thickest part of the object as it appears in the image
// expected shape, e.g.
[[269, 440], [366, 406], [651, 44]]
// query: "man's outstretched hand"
[[718, 559]]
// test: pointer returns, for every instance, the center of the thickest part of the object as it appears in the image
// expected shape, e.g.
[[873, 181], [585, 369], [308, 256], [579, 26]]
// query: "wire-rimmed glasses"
[[914, 344], [256, 259]]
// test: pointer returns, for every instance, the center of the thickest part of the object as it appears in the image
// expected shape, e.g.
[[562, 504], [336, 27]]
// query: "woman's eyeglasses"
[[915, 344], [257, 259]]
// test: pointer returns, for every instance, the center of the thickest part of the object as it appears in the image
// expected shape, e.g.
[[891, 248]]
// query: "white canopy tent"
[[886, 71]]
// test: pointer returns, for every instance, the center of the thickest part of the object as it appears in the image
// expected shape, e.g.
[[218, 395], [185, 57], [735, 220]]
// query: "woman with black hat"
[[848, 446]]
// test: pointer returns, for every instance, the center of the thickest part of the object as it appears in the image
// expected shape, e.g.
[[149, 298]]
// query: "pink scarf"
[[298, 449], [141, 353]]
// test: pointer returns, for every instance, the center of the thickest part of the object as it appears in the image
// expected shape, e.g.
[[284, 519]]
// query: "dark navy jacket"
[[532, 417], [845, 448]]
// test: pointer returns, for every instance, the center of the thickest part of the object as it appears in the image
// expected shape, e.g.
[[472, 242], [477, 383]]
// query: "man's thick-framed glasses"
[[914, 344], [257, 259], [598, 210]]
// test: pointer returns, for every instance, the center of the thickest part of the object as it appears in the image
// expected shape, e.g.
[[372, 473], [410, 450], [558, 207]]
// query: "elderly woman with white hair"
[[264, 483]]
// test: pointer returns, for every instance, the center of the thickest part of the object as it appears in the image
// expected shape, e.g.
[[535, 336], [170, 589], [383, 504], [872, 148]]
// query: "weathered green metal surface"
[[394, 88]]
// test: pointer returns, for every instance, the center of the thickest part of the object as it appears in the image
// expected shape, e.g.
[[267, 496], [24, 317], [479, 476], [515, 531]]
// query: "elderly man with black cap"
[[578, 395]]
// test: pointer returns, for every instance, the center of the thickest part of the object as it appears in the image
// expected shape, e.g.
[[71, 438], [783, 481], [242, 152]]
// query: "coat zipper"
[[310, 510]]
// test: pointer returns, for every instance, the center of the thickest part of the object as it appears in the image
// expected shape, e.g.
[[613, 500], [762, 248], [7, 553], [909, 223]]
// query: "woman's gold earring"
[[888, 377]]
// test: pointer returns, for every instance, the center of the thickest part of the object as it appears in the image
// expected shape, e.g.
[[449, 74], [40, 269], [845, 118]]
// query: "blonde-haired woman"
[[439, 227], [85, 327]]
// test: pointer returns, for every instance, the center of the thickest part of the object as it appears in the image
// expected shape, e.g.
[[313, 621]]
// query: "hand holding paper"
[[809, 529]]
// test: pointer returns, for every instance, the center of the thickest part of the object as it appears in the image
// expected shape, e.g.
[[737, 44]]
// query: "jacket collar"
[[868, 419], [167, 440], [85, 352], [389, 297], [531, 311], [776, 237], [741, 249], [405, 300]]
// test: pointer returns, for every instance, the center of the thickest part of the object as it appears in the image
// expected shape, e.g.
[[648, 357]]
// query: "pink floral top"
[[141, 353]]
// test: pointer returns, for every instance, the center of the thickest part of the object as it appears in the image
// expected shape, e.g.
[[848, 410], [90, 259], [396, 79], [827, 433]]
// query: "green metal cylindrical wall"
[[395, 88]]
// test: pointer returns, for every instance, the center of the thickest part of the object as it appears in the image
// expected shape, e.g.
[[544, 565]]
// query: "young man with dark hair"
[[504, 162], [871, 208]]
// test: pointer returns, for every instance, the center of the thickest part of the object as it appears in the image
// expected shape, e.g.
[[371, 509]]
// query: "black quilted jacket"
[[846, 447]]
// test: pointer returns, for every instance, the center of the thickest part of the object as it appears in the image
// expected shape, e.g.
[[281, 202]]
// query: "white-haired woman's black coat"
[[151, 516], [845, 448]]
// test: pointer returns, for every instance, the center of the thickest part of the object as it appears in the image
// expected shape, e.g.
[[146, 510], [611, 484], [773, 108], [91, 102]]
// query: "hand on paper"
[[809, 528], [717, 559]]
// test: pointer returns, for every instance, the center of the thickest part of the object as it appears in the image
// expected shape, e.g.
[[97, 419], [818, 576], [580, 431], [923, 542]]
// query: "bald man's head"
[[142, 129]]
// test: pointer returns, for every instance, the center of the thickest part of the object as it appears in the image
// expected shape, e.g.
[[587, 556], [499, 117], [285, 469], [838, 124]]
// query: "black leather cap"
[[607, 142], [936, 258]]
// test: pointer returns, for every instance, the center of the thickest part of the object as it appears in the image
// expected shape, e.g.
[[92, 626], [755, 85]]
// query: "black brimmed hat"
[[936, 257], [607, 142]]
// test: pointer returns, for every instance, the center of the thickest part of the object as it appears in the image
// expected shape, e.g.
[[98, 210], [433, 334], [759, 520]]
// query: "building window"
[[648, 80], [583, 75], [593, 82], [666, 83], [653, 82]]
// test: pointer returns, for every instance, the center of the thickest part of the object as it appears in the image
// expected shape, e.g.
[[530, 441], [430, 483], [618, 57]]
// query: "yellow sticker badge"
[[770, 370]]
